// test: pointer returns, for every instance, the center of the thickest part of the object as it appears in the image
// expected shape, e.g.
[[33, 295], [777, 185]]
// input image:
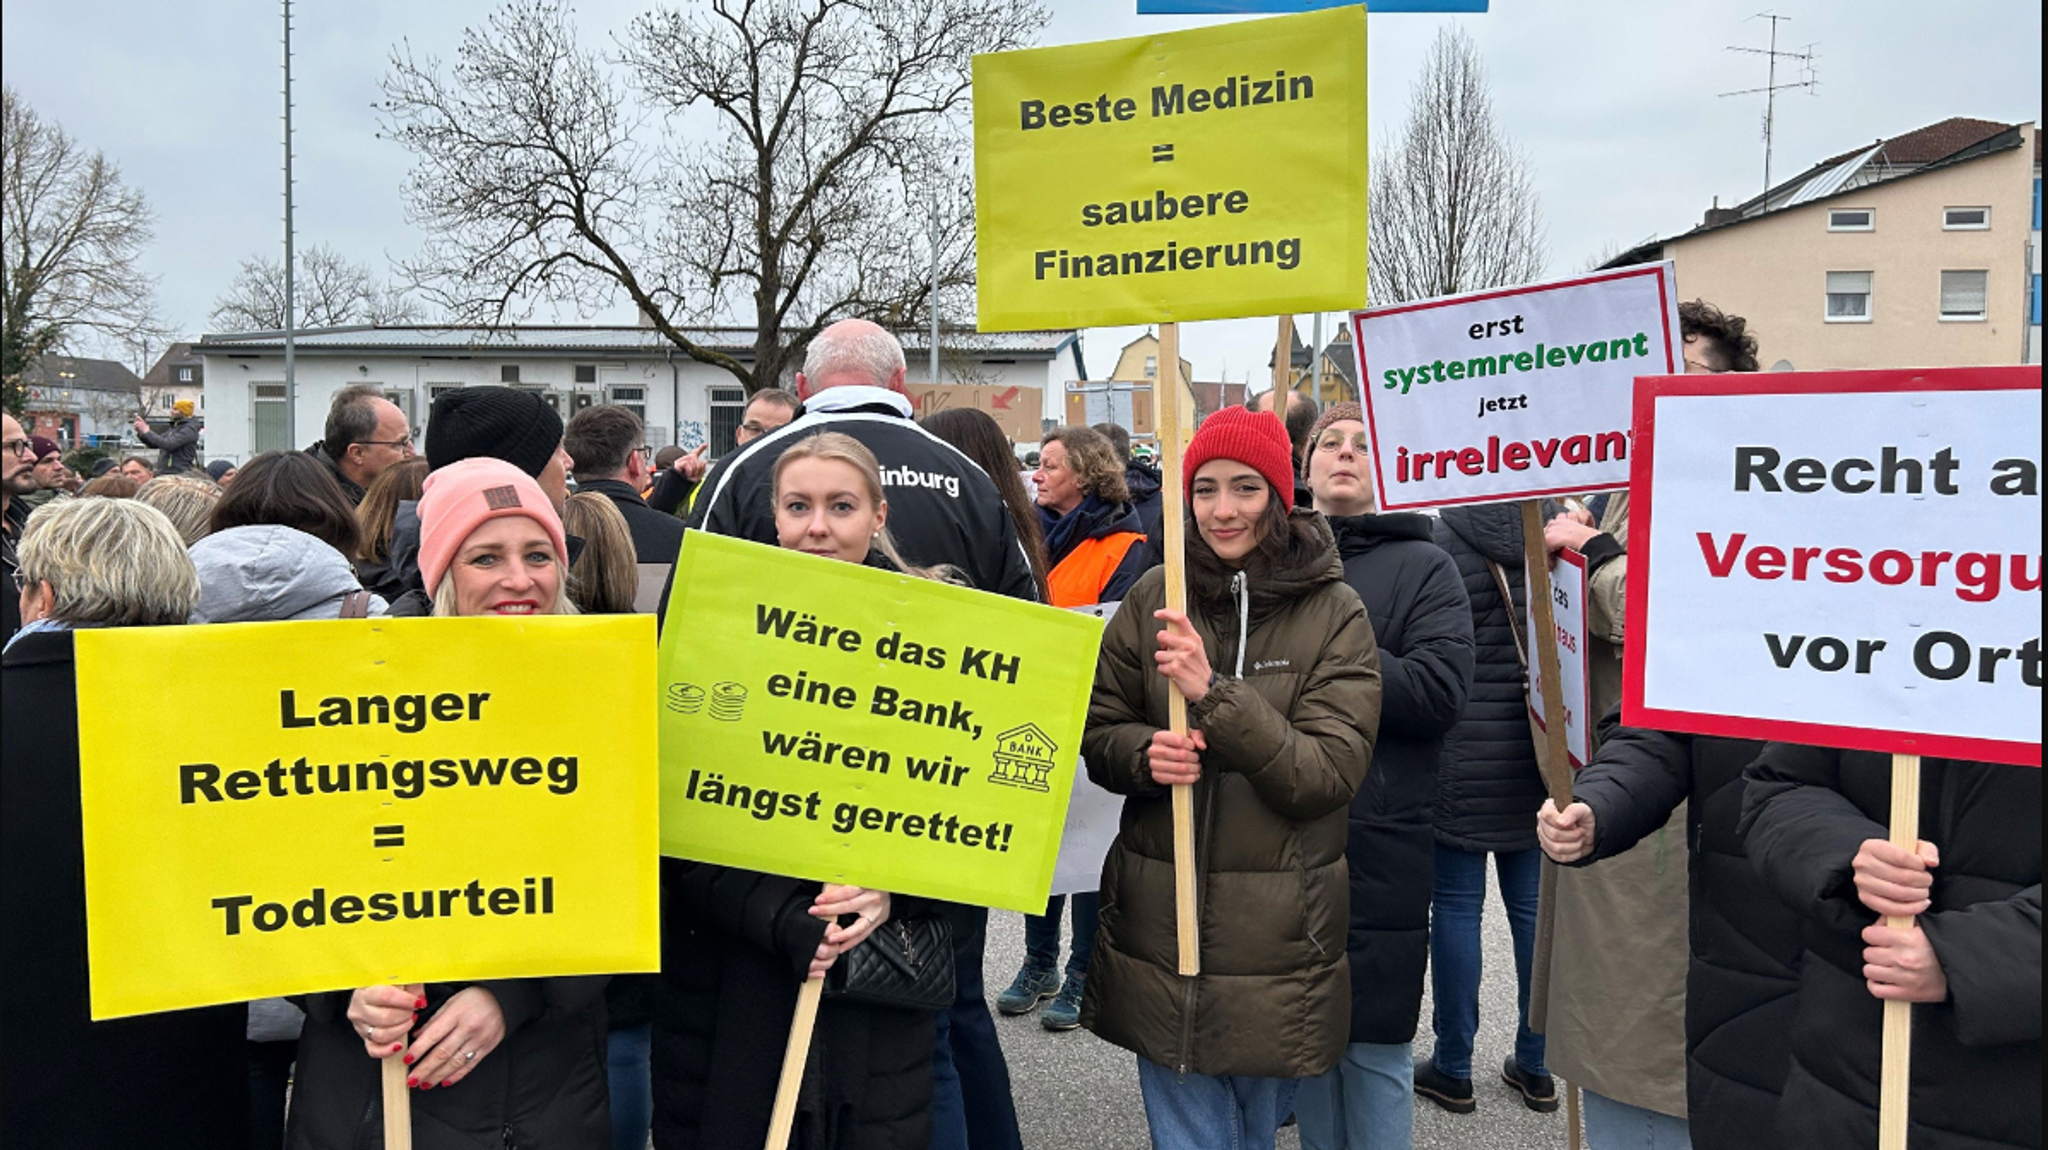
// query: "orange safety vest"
[[1080, 577]]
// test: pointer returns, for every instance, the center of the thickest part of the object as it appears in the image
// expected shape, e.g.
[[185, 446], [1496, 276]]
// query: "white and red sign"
[[1568, 613], [1512, 394], [1848, 559]]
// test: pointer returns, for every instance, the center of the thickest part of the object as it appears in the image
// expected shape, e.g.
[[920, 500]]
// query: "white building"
[[684, 402]]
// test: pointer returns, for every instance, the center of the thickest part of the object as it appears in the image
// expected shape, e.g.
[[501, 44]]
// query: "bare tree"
[[71, 232], [329, 292], [1454, 206], [774, 162]]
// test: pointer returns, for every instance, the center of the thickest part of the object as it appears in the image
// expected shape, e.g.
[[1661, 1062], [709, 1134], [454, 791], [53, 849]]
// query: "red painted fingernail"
[[412, 1082], [408, 1062], [426, 1086], [450, 1082], [397, 1046], [420, 1005]]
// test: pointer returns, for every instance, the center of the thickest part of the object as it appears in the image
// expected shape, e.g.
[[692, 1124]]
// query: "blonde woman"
[[604, 577], [511, 1059], [187, 501], [738, 943]]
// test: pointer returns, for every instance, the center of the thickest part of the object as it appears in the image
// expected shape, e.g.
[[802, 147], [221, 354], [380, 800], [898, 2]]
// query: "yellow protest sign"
[[846, 724], [1206, 174], [355, 802]]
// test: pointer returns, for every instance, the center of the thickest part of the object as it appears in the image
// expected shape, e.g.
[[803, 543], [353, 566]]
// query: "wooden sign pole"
[[397, 1104], [1895, 1083], [783, 1118], [1170, 422], [1556, 758], [1283, 365]]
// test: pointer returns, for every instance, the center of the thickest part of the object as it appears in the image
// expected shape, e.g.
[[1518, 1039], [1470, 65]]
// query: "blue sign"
[[1226, 7]]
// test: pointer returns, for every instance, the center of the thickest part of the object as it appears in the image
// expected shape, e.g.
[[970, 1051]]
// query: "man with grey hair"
[[943, 509], [365, 434]]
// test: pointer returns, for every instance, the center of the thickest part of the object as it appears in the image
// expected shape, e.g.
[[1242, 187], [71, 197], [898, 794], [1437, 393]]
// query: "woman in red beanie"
[[504, 1061], [1277, 661]]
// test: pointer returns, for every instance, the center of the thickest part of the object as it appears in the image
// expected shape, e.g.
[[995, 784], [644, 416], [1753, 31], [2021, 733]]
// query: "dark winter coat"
[[943, 508], [1147, 497], [10, 562], [1488, 786], [168, 1080], [543, 1087], [1742, 983], [349, 487], [177, 445], [1977, 1056], [670, 494], [656, 537], [735, 947], [1290, 720], [1422, 622]]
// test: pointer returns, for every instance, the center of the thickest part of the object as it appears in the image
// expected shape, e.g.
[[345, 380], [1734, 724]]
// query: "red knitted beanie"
[[1256, 439]]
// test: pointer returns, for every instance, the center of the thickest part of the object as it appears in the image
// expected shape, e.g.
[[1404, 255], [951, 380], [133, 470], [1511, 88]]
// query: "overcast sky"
[[1614, 102]]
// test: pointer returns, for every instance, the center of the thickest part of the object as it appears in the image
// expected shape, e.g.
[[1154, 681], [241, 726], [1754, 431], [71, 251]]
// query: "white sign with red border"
[[1568, 611], [1847, 559], [1512, 394]]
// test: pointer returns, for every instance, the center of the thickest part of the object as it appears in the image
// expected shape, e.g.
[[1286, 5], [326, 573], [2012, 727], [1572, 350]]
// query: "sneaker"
[[1065, 1011], [1538, 1091], [1453, 1094], [1032, 986]]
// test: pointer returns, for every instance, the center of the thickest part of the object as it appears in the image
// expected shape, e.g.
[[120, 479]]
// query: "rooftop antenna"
[[1804, 58], [291, 390]]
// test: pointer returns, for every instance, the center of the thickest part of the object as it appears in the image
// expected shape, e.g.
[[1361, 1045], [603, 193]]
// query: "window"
[[1151, 367], [508, 373], [1965, 219], [1964, 295], [184, 375], [633, 399], [1848, 297], [728, 405], [1852, 220], [586, 373], [269, 431]]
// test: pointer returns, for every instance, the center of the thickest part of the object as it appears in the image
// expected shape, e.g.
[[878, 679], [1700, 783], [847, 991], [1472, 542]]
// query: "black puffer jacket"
[[656, 537], [1423, 622], [1742, 983], [1146, 496], [1977, 1056], [735, 947], [543, 1087], [1488, 787]]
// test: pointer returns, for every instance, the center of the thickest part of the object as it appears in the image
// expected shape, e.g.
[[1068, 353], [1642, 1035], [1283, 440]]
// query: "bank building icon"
[[1024, 757]]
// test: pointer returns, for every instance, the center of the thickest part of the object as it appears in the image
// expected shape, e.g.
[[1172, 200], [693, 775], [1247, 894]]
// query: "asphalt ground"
[[1076, 1092]]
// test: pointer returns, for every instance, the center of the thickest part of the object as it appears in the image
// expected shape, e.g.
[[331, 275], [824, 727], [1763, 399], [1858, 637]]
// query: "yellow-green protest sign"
[[356, 802], [1206, 174], [846, 724]]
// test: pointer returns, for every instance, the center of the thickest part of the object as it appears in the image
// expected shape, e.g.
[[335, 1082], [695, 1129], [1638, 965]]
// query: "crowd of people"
[[1359, 746]]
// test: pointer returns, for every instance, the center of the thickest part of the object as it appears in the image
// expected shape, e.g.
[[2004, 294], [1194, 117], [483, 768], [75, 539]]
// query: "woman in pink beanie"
[[1276, 659], [491, 543]]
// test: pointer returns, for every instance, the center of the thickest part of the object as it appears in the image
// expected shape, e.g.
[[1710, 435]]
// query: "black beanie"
[[496, 423]]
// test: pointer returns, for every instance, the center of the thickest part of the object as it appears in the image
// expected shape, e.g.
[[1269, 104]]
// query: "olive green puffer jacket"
[[1290, 724]]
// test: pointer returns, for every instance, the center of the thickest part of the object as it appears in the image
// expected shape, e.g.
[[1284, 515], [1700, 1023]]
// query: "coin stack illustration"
[[685, 698], [728, 700]]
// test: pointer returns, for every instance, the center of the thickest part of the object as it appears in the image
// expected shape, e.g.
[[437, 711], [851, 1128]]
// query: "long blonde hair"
[[838, 447], [605, 576]]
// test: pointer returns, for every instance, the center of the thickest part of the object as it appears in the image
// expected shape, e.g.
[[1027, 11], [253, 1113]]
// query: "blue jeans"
[[1202, 1112], [971, 1103], [1612, 1125], [632, 1094], [1454, 949], [1366, 1103], [1042, 934]]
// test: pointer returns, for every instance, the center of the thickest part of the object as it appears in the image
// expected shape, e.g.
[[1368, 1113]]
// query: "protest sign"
[[1848, 559], [1512, 394], [1206, 174], [842, 723], [367, 802], [1222, 7], [1568, 637]]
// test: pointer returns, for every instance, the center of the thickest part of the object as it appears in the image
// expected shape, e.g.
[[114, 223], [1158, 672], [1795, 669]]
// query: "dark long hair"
[[290, 489], [1287, 544], [980, 438]]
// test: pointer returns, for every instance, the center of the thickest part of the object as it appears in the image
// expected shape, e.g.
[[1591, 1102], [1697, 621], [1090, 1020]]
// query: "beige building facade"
[[1919, 251]]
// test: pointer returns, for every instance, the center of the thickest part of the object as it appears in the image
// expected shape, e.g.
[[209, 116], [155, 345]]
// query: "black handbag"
[[906, 963]]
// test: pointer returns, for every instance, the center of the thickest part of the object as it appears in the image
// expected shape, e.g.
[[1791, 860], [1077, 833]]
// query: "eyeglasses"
[[754, 427], [1335, 442], [20, 582], [16, 446], [393, 444]]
